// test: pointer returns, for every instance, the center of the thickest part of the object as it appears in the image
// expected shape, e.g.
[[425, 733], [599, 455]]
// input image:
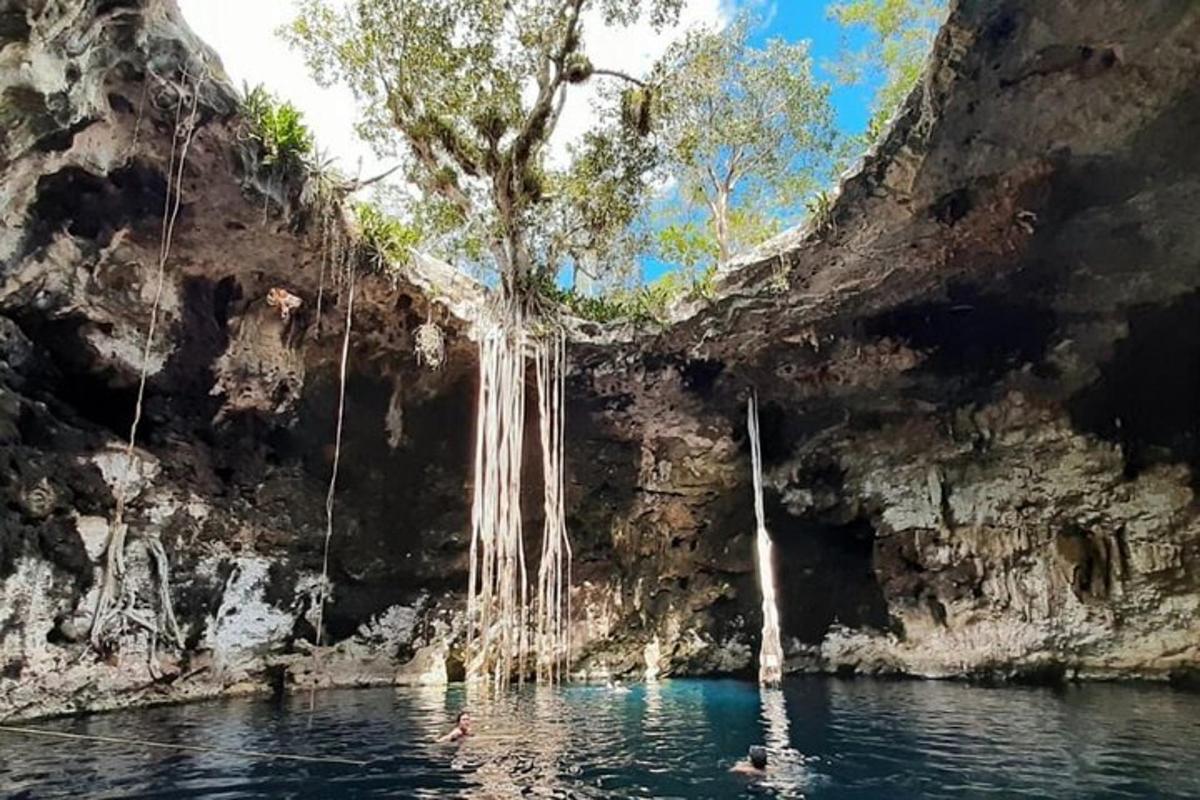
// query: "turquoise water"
[[828, 739]]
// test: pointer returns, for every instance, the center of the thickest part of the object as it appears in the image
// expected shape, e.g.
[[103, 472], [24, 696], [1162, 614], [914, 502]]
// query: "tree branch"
[[357, 184], [552, 123], [420, 145], [534, 130], [454, 145], [731, 172], [618, 74]]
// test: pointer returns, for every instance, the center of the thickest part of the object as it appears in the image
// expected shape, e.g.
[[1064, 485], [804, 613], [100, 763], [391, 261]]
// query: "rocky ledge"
[[979, 378]]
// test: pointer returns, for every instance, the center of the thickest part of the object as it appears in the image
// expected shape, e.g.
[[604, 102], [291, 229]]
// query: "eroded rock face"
[[234, 450], [979, 385], [977, 376]]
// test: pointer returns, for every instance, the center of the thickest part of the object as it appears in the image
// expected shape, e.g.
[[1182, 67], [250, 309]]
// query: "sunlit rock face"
[[979, 388], [979, 378]]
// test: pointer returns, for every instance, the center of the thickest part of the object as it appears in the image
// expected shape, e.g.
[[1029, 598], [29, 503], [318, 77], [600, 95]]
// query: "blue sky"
[[803, 20], [795, 20]]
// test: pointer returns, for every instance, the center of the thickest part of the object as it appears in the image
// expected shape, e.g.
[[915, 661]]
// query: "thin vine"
[[112, 582]]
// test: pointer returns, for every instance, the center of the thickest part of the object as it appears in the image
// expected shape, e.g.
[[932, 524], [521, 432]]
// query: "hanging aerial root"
[[323, 590], [501, 630], [553, 631], [112, 582], [497, 577], [496, 603], [770, 654]]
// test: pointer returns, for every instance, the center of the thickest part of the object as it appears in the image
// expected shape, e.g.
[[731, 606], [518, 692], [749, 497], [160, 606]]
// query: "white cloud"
[[243, 34], [631, 50]]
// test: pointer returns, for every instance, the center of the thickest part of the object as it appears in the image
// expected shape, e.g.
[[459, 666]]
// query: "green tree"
[[746, 132], [471, 92], [900, 34]]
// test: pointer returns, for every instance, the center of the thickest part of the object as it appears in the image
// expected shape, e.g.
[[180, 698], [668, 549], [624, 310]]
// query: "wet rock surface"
[[979, 381]]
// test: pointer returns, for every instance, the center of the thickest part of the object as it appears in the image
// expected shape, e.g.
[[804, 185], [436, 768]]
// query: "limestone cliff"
[[235, 442], [979, 377], [979, 372]]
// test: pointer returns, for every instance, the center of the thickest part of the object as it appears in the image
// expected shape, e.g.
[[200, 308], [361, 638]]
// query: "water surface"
[[828, 739]]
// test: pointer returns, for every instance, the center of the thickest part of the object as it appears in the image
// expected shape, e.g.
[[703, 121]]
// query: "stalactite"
[[112, 582], [770, 654]]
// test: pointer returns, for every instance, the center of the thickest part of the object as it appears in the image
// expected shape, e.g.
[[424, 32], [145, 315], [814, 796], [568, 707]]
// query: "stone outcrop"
[[979, 381], [978, 374], [234, 448]]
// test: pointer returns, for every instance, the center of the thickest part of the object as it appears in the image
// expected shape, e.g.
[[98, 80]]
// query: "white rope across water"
[[182, 747], [770, 654]]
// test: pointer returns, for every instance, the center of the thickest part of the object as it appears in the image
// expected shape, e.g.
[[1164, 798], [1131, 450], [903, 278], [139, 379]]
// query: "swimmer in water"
[[462, 727], [614, 685], [754, 764]]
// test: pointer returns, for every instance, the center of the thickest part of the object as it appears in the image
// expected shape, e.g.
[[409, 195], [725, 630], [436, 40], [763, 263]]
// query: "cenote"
[[827, 738], [673, 381]]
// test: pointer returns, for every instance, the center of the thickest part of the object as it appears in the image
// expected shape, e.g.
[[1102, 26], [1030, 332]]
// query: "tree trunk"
[[721, 226]]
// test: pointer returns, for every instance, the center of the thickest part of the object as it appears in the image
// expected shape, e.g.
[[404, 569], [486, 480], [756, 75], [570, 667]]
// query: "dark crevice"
[[700, 374], [107, 6], [14, 27], [226, 292], [1147, 398], [830, 575], [1000, 29], [62, 140], [120, 103], [70, 377], [970, 336], [94, 207], [202, 336], [1093, 562], [952, 206]]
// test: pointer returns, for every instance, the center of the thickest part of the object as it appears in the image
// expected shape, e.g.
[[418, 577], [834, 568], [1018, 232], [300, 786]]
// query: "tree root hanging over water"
[[499, 624], [115, 601], [323, 590], [497, 581], [770, 654], [553, 643]]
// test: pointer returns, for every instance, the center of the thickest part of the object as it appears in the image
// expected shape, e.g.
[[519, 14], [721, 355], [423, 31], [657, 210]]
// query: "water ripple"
[[826, 738]]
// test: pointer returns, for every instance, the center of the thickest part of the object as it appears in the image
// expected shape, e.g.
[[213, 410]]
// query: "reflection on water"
[[787, 774], [672, 739]]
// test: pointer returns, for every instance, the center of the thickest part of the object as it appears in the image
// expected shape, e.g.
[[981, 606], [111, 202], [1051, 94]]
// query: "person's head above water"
[[758, 756], [463, 720]]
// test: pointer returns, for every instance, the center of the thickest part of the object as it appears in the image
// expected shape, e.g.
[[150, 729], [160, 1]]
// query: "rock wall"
[[978, 376], [979, 382], [234, 447]]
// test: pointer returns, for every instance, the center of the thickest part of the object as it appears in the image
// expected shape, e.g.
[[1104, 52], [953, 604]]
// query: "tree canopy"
[[746, 132], [470, 93], [718, 147], [899, 34]]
